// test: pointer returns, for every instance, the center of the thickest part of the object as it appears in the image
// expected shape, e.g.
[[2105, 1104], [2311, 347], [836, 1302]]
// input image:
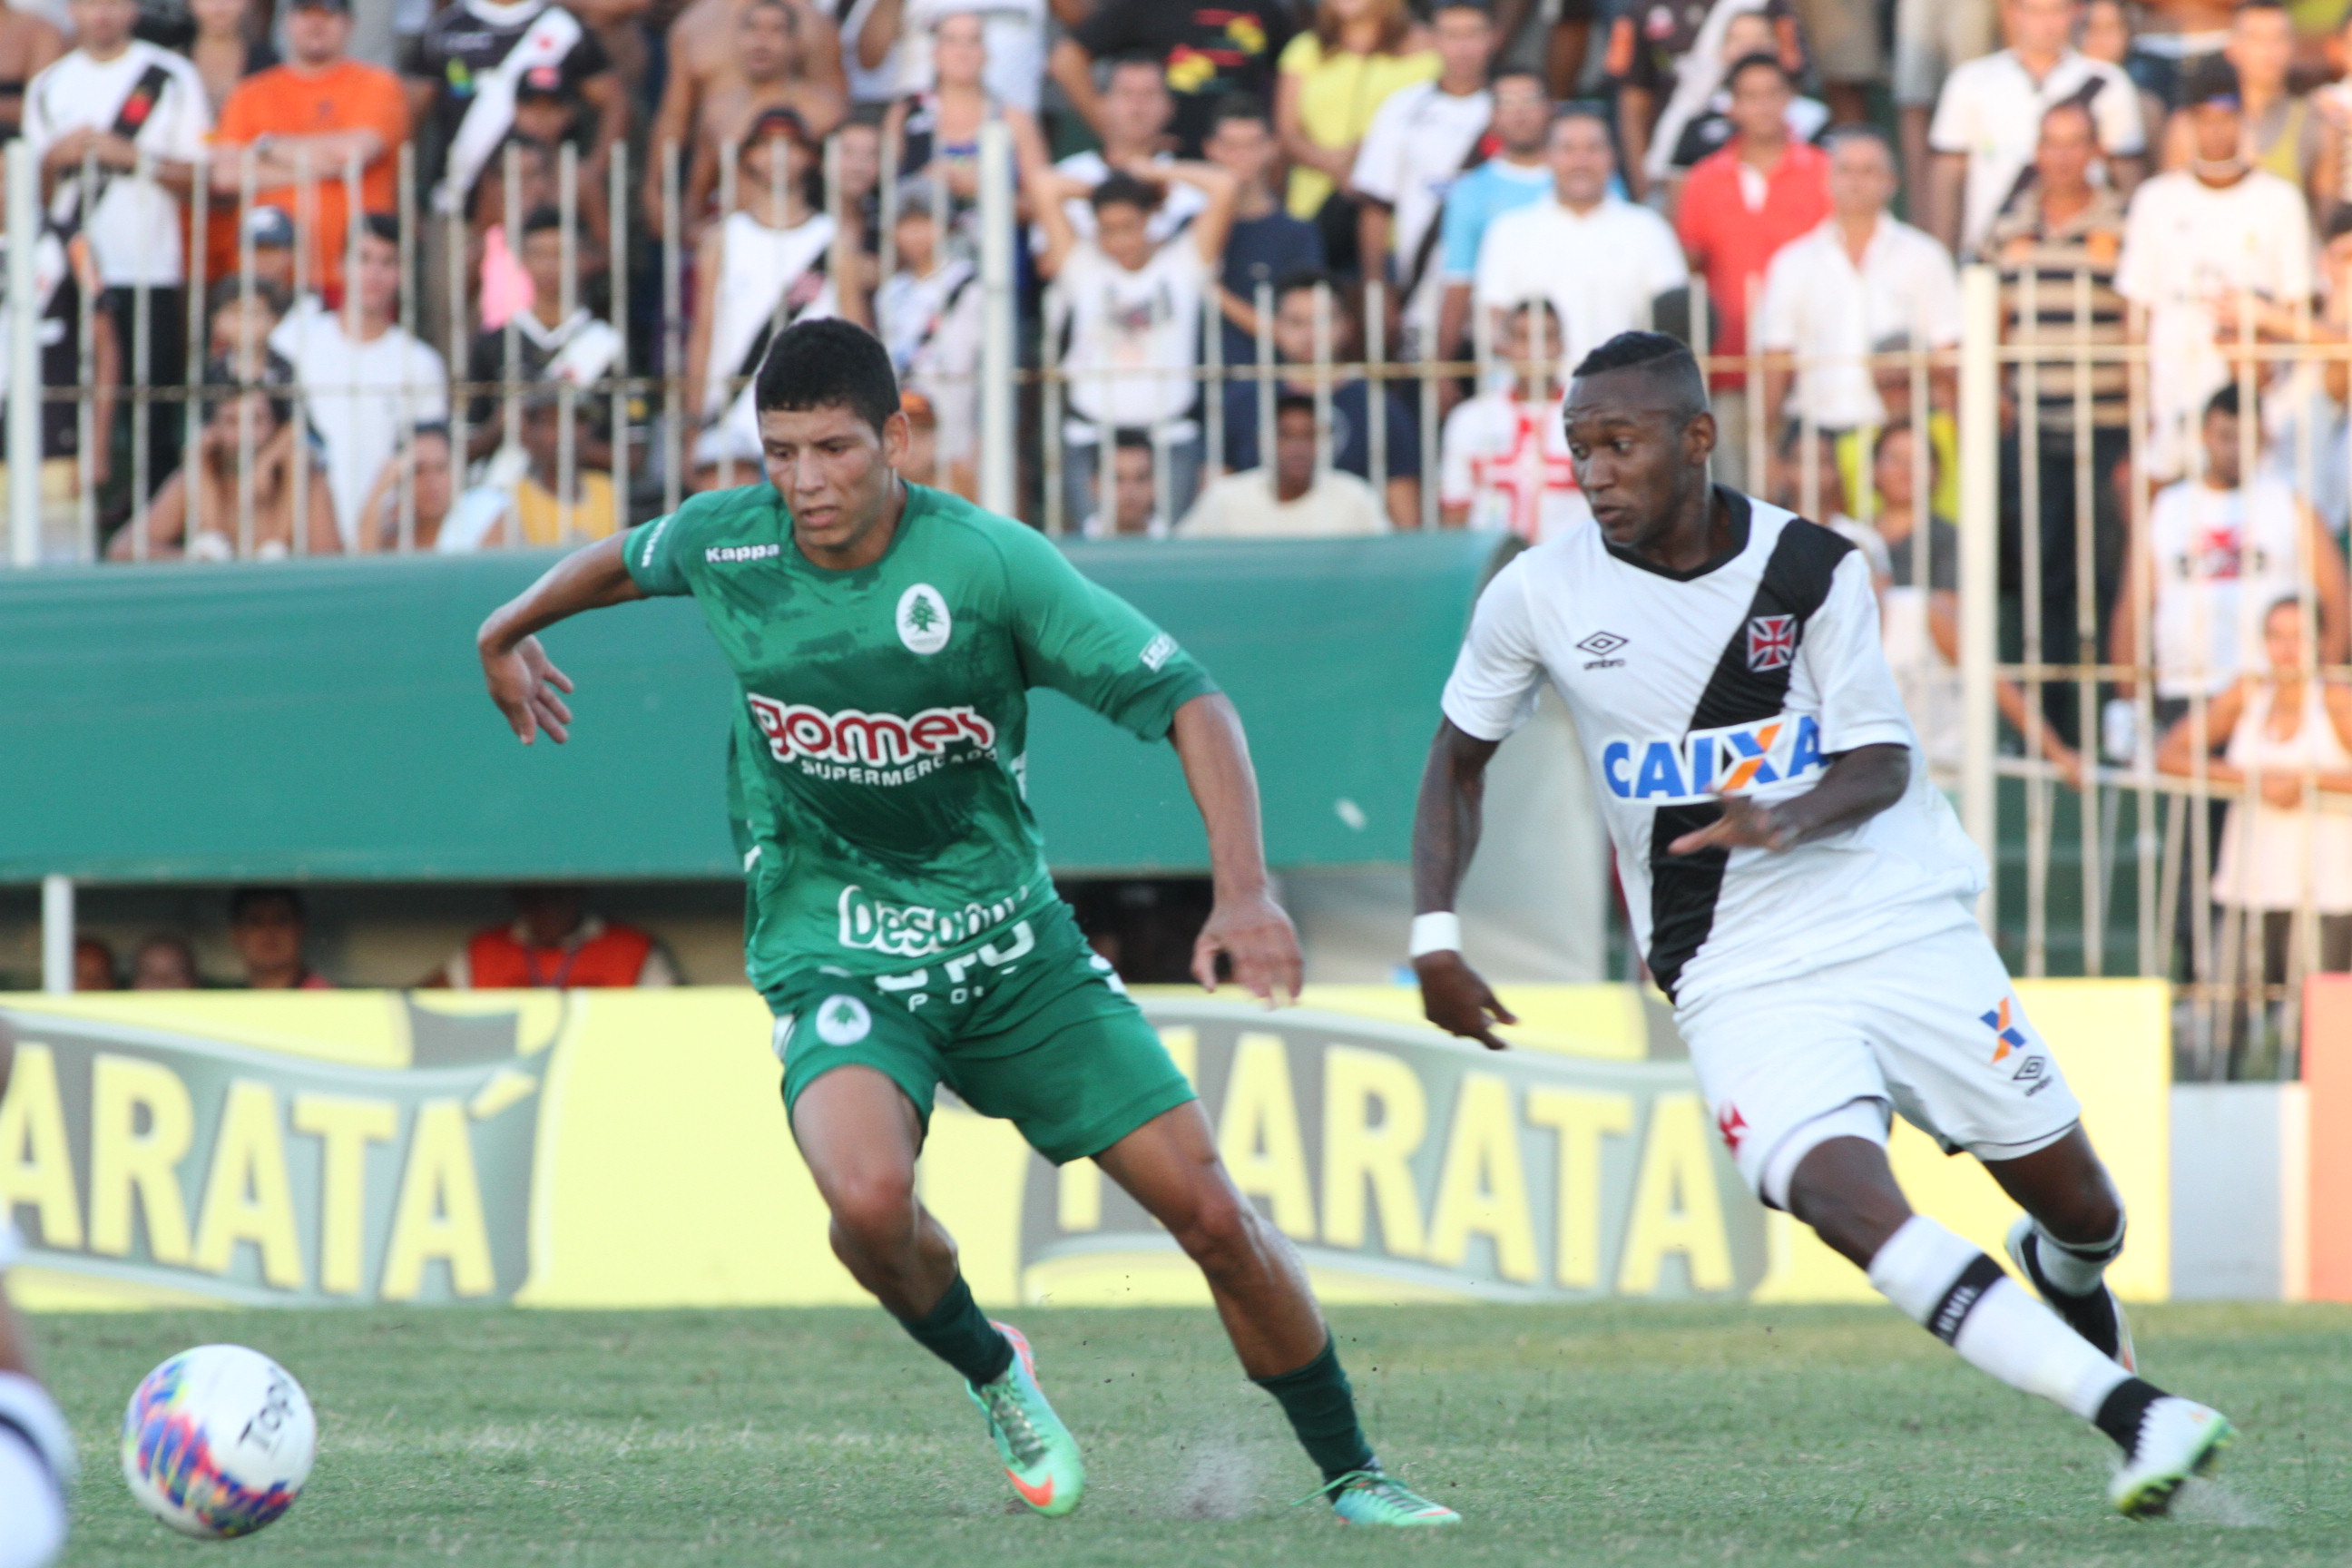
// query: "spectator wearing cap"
[[1267, 244], [303, 124], [2282, 132], [1740, 206], [268, 928], [539, 345], [463, 75], [2219, 227], [1980, 141], [767, 75], [237, 499], [264, 244], [928, 314], [555, 942], [367, 385], [226, 47]]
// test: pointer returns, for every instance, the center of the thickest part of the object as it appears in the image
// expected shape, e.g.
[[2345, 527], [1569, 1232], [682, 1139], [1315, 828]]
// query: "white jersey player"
[[36, 1451], [1799, 889]]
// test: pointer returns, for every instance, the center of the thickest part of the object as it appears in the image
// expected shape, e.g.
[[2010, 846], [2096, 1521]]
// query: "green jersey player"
[[901, 922]]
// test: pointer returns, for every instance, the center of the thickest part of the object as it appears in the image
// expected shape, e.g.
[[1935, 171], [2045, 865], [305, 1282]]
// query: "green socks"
[[958, 1334], [1322, 1411]]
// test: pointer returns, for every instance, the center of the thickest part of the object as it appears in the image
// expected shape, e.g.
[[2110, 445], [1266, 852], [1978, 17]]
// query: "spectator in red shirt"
[[555, 943], [265, 926], [1741, 205]]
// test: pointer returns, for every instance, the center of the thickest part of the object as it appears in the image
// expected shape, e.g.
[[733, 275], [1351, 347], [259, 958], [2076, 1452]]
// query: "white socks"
[[1962, 1298]]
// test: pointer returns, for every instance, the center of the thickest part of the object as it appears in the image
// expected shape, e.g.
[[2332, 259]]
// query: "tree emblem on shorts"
[[843, 1021], [924, 623]]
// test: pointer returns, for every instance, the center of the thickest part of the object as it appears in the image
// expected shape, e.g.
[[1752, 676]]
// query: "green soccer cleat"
[[1373, 1497], [2177, 1438], [1041, 1458]]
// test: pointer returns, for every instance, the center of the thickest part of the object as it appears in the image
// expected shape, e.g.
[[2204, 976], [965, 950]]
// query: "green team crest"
[[923, 621]]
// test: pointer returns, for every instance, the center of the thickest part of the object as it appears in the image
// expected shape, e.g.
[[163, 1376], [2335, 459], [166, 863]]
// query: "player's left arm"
[[1244, 923], [1865, 732]]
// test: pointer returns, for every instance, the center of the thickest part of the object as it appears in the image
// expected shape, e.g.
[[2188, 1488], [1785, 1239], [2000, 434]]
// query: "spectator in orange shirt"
[[1741, 204], [555, 943], [320, 107]]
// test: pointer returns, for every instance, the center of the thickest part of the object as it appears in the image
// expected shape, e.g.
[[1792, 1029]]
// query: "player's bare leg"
[[1846, 1190], [860, 1137], [1170, 1166], [2073, 1229]]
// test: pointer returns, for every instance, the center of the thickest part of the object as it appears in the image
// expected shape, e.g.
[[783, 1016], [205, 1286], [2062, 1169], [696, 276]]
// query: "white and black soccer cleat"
[[2177, 1438], [2097, 1317]]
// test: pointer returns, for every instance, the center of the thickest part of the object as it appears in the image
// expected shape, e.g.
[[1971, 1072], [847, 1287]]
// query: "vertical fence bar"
[[674, 328], [85, 377], [461, 360], [997, 367], [56, 930], [1322, 383], [1049, 371], [1426, 387], [1375, 387], [143, 378], [1979, 557], [2033, 649], [567, 438], [1264, 302], [511, 332], [192, 324], [2150, 851], [617, 207], [1212, 399], [2093, 795], [248, 358], [404, 200], [27, 410]]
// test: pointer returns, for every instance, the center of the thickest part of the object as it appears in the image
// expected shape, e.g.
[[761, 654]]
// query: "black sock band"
[[1979, 1277], [1322, 1411], [2120, 1413], [958, 1334]]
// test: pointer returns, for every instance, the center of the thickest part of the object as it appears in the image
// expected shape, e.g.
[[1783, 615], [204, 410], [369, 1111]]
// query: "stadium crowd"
[[507, 287]]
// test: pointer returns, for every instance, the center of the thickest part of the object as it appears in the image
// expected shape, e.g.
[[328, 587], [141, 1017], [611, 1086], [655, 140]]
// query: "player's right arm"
[[523, 681], [1491, 693]]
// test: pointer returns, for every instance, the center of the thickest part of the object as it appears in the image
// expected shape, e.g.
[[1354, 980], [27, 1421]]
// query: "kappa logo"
[[2007, 1037], [735, 554], [843, 1020], [1705, 763], [1771, 642], [924, 624]]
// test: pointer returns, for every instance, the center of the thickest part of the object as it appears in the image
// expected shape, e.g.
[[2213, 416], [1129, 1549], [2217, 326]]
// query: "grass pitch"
[[1608, 1436]]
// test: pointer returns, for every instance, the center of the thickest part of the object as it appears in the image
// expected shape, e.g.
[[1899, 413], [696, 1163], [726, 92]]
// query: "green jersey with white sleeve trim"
[[877, 762]]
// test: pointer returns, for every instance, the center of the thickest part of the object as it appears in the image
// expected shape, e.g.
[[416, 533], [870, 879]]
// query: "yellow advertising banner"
[[629, 1149]]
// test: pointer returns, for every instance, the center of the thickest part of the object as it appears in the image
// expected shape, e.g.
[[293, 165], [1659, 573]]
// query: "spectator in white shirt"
[[1134, 311], [903, 31], [1423, 138], [1600, 260], [1292, 500], [365, 380], [1989, 117], [2216, 228], [1135, 494], [1859, 279], [928, 314], [1505, 461], [111, 100], [1137, 110]]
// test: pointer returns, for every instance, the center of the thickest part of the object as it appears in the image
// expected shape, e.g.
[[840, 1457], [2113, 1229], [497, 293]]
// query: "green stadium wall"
[[324, 720]]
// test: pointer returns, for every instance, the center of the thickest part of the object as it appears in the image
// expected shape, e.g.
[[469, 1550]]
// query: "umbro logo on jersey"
[[1601, 644], [1771, 642], [1705, 763]]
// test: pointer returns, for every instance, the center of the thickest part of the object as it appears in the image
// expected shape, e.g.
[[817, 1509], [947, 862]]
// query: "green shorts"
[[1030, 1026]]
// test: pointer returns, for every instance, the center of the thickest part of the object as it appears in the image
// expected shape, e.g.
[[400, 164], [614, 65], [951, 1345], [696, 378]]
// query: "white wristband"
[[1439, 932]]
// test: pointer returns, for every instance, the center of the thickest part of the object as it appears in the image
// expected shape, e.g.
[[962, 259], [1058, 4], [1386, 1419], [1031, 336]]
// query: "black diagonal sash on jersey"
[[1684, 887], [137, 107]]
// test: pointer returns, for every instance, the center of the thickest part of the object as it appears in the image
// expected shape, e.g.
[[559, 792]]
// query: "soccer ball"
[[218, 1441]]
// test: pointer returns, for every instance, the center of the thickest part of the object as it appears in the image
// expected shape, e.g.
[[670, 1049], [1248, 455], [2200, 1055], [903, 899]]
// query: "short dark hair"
[[1128, 438], [1478, 5], [1294, 403], [230, 290], [1505, 72], [1128, 58], [242, 900], [828, 363], [1123, 189], [2223, 402], [1759, 60], [2339, 224], [1656, 355], [2211, 81], [1582, 109], [384, 227], [541, 218], [1238, 105]]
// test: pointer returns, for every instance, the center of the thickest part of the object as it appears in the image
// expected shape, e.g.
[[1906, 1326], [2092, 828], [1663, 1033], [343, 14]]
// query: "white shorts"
[[1930, 1029]]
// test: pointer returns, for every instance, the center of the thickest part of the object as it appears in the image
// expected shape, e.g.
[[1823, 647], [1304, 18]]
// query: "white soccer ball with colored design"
[[218, 1441]]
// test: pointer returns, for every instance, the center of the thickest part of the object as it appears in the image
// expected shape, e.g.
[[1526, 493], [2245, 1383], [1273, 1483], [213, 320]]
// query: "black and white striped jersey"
[[1744, 676]]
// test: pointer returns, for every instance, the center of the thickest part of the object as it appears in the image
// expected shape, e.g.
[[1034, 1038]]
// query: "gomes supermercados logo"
[[157, 1157], [858, 747], [1396, 1159]]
